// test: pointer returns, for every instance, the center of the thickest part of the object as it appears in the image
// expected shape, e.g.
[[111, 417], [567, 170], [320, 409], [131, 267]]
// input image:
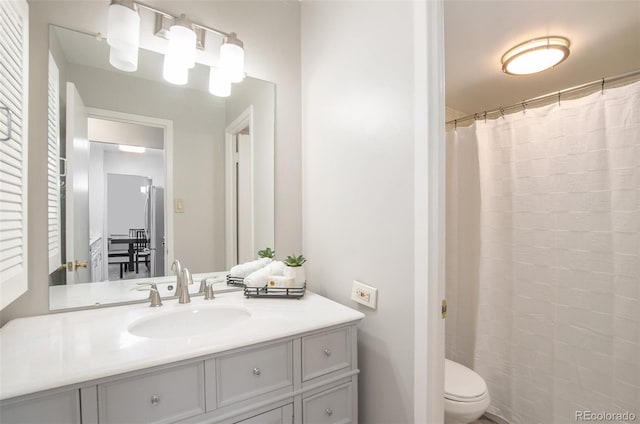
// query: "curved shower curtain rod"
[[558, 94]]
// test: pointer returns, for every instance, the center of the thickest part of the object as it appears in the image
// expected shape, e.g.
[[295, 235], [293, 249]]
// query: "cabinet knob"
[[328, 411], [256, 371], [327, 352], [155, 399]]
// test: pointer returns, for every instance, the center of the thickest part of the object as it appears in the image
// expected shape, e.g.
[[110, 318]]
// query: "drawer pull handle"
[[155, 399], [327, 352], [328, 411], [256, 371]]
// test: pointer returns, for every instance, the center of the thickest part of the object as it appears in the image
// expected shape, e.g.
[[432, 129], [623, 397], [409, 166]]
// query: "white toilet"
[[466, 396]]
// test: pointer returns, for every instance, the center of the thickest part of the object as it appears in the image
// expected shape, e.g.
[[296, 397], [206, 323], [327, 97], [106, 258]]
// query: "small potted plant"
[[295, 269], [267, 253]]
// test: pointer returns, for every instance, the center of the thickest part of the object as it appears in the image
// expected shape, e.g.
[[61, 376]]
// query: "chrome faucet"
[[183, 286], [178, 269]]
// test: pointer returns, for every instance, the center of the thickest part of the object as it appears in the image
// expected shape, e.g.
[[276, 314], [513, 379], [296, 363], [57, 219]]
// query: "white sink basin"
[[187, 320]]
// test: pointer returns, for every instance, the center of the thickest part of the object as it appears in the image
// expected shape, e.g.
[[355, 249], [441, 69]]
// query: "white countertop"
[[48, 351]]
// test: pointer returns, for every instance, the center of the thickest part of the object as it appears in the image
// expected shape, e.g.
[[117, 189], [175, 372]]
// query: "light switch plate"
[[179, 206], [364, 294]]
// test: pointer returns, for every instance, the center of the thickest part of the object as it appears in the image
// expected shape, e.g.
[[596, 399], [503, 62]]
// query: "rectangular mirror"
[[142, 172]]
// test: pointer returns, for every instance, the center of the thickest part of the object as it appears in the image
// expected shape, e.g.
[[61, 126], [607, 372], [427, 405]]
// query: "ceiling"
[[604, 34]]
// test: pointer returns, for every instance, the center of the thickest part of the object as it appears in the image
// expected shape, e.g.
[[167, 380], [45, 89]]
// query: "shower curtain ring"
[[559, 92], [485, 116], [502, 112], [524, 107], [602, 92], [455, 124]]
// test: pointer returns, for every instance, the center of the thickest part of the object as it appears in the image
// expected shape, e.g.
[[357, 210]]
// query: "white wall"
[[358, 183], [270, 31], [107, 131]]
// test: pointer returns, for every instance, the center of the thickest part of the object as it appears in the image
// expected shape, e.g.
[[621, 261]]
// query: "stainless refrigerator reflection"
[[155, 229]]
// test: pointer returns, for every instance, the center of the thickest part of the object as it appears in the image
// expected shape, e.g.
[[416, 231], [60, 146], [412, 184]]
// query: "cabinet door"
[[14, 123], [158, 397], [283, 415], [332, 406], [59, 408]]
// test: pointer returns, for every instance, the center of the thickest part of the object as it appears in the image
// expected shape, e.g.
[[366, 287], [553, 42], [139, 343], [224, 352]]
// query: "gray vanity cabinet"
[[304, 379]]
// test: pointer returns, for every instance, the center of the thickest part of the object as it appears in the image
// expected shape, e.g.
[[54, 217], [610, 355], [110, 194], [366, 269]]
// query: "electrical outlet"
[[364, 294]]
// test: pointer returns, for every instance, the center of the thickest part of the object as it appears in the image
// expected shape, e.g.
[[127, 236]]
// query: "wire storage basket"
[[275, 292], [235, 281]]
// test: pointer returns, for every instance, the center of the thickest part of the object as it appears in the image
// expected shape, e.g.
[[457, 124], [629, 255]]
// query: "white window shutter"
[[14, 71], [53, 167]]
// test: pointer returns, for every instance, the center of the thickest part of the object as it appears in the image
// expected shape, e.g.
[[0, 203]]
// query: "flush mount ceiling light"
[[131, 149], [535, 55], [184, 37]]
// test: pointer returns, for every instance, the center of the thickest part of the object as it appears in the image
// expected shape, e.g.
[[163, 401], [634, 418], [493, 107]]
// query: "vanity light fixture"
[[535, 55], [181, 54], [131, 149], [232, 58], [123, 35], [124, 39]]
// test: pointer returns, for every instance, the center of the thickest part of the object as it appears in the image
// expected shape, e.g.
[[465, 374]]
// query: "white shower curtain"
[[543, 257]]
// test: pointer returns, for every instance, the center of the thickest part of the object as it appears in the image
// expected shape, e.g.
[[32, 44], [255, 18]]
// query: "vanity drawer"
[[324, 353], [332, 406], [158, 397], [243, 375], [62, 408]]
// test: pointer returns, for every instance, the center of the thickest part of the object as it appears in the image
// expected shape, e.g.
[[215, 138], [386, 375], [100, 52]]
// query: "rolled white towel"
[[258, 278], [280, 281], [277, 267], [243, 270]]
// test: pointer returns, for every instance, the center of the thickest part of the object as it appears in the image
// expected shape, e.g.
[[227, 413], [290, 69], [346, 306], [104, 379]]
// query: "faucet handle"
[[154, 293], [208, 293], [203, 285]]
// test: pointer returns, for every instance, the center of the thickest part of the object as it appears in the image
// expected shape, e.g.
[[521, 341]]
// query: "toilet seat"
[[462, 384]]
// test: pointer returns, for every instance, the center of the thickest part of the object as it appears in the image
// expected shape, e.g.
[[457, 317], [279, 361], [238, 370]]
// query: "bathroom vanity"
[[227, 360]]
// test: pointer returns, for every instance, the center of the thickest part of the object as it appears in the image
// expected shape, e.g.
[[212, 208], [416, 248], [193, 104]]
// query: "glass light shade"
[[174, 72], [123, 28], [535, 55], [124, 59], [182, 46], [219, 84], [232, 59]]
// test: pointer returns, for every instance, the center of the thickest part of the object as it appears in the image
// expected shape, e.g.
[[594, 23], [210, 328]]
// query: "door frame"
[[242, 121], [167, 126], [429, 212]]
